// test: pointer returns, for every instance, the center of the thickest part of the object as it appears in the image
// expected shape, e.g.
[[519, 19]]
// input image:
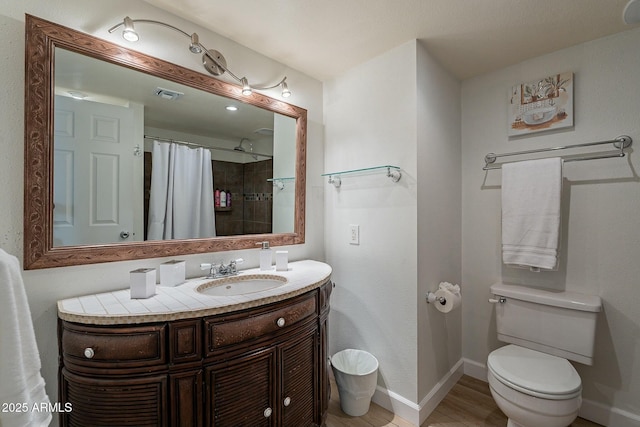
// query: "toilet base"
[[532, 411]]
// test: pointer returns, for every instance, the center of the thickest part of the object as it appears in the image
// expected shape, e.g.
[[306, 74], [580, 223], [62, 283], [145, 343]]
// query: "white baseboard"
[[437, 393], [607, 415], [397, 404], [417, 413], [475, 369], [590, 410]]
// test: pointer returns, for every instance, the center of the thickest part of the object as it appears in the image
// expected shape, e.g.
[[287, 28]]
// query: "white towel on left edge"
[[531, 193], [20, 379]]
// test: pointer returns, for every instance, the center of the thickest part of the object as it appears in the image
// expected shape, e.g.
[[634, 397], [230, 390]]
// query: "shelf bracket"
[[279, 182], [394, 174], [335, 180]]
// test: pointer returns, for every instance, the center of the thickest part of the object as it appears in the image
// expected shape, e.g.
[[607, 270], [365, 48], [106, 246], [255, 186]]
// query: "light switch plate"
[[354, 234]]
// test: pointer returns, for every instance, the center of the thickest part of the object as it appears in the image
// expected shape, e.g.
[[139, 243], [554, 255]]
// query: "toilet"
[[531, 379]]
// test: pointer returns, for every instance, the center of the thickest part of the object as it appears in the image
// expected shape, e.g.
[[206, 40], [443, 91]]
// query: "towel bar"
[[619, 143]]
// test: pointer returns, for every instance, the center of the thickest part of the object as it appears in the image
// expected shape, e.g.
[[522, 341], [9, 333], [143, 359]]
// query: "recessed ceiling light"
[[631, 13], [77, 95], [264, 131], [231, 108]]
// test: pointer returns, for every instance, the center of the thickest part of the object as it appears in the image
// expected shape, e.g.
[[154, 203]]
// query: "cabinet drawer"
[[225, 331], [113, 347], [134, 401]]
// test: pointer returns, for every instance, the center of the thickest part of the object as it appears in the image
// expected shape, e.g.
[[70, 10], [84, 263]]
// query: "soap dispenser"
[[266, 256]]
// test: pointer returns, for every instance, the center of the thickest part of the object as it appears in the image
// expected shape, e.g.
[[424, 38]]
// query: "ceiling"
[[325, 38]]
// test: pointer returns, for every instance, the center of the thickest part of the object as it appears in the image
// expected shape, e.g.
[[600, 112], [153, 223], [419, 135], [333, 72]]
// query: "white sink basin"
[[239, 285]]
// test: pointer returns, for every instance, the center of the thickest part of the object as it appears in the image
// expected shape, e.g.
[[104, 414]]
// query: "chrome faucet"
[[222, 270]]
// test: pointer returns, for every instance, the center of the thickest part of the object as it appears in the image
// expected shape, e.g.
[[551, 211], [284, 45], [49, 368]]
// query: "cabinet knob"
[[267, 412], [89, 353], [287, 401], [281, 322]]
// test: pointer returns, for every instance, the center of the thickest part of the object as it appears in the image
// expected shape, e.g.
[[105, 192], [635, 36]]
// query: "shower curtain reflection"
[[181, 199]]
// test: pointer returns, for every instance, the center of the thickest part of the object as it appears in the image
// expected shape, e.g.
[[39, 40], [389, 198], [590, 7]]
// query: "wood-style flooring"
[[468, 404]]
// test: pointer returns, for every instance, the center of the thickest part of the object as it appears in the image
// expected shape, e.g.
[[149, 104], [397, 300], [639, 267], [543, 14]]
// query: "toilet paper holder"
[[431, 297], [447, 295]]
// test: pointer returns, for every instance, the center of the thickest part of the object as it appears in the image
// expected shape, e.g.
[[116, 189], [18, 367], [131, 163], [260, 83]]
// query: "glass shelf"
[[393, 172], [291, 178], [279, 182]]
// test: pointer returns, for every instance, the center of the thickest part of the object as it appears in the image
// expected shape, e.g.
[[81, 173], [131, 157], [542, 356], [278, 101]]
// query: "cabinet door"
[[324, 367], [299, 394], [132, 401], [186, 399], [241, 392]]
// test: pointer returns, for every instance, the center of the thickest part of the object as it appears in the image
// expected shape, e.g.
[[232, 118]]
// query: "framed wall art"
[[541, 105]]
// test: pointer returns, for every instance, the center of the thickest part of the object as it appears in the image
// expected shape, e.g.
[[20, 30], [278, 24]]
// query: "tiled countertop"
[[184, 301]]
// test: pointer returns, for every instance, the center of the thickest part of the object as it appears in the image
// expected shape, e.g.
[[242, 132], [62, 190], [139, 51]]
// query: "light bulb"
[[194, 47], [129, 33], [285, 90], [246, 89]]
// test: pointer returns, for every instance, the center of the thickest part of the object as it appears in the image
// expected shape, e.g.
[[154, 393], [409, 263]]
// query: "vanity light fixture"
[[285, 90], [194, 47], [231, 108], [246, 89], [212, 60], [128, 32]]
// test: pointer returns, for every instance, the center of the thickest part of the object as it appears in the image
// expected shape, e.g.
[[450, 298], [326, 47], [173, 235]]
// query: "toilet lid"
[[534, 372]]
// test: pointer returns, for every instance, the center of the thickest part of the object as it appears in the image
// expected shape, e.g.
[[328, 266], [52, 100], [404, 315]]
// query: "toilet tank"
[[554, 322]]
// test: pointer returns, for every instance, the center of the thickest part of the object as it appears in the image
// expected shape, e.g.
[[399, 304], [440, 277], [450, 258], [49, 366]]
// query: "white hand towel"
[[20, 379], [531, 193]]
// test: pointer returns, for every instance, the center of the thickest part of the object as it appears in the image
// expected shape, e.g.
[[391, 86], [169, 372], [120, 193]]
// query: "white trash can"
[[356, 374]]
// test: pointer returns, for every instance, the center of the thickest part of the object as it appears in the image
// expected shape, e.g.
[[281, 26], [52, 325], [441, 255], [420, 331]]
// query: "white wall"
[[409, 231], [439, 219], [601, 200], [45, 287], [370, 120]]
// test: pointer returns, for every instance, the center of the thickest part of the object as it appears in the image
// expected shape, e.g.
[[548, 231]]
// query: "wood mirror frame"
[[42, 37]]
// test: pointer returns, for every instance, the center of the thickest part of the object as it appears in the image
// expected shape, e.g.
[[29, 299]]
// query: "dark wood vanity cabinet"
[[242, 392], [263, 366]]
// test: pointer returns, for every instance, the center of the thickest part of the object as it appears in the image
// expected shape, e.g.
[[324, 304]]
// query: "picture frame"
[[541, 105]]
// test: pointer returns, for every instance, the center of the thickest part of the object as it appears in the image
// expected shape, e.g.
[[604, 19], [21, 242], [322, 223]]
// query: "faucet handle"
[[213, 269], [233, 265]]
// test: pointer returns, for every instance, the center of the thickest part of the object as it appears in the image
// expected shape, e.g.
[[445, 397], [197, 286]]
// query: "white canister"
[[172, 273], [143, 283], [282, 260]]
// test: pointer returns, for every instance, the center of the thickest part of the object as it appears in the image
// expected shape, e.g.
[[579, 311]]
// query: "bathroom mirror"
[[48, 81]]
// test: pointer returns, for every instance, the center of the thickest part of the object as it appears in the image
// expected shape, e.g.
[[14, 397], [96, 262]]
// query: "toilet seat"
[[535, 373]]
